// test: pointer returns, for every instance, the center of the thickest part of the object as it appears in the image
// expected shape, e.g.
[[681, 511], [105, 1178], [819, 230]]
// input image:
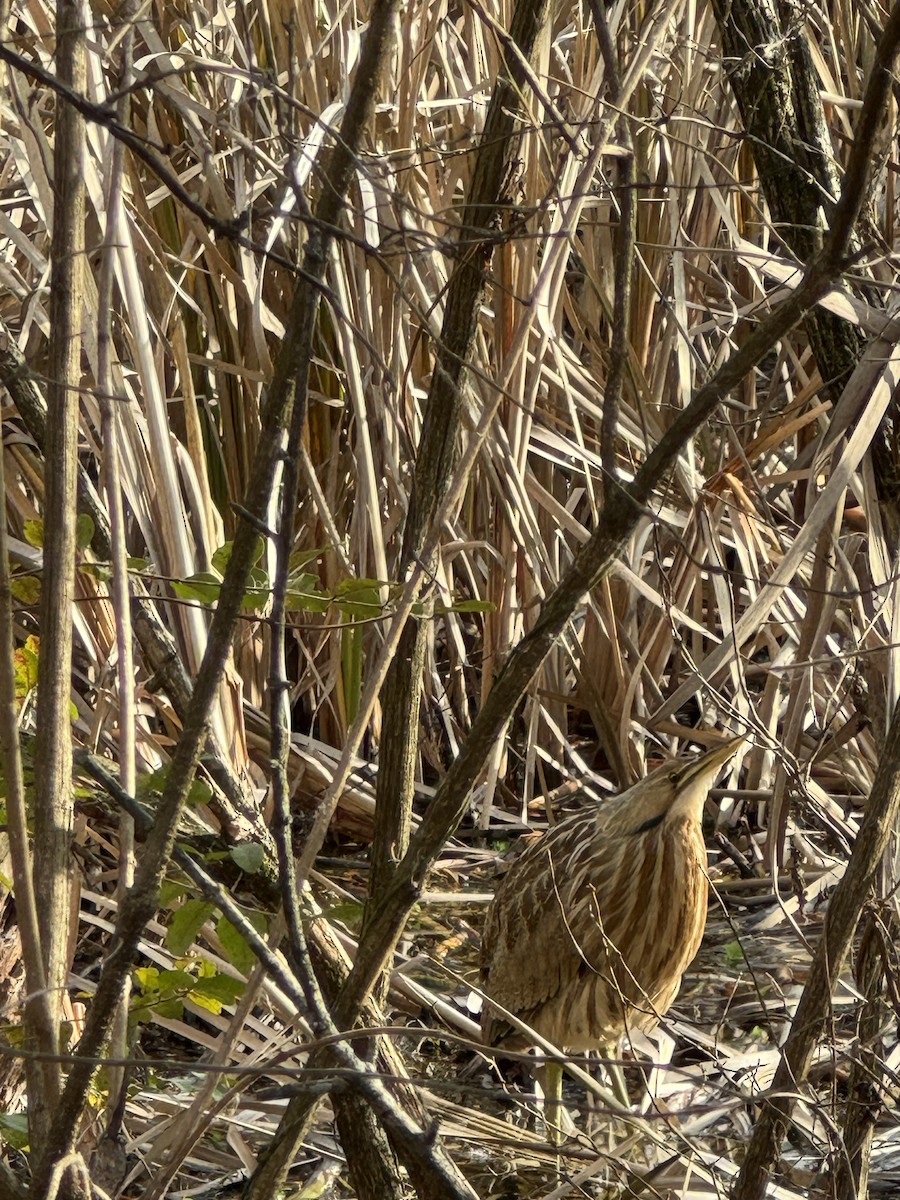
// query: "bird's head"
[[676, 789]]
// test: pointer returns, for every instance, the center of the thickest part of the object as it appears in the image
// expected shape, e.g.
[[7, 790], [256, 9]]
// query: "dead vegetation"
[[756, 589]]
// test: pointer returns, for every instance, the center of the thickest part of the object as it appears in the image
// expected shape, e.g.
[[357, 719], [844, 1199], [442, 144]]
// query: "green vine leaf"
[[249, 857], [186, 924]]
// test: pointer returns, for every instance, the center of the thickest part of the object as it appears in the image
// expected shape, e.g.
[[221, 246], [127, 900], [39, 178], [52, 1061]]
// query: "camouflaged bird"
[[595, 923]]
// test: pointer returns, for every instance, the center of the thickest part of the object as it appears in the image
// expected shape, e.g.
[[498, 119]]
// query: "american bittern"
[[593, 926]]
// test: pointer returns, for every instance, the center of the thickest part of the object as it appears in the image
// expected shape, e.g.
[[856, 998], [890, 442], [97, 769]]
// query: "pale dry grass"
[[759, 594]]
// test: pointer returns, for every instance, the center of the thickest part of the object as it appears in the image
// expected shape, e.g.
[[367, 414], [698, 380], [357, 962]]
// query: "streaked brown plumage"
[[594, 925]]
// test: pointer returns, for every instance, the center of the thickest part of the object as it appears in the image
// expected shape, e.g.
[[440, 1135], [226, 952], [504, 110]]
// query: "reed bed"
[[758, 591]]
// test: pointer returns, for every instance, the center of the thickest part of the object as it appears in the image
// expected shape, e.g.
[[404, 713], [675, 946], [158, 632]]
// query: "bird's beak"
[[705, 768]]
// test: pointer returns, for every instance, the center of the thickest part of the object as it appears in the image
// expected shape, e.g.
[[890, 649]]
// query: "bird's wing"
[[543, 927]]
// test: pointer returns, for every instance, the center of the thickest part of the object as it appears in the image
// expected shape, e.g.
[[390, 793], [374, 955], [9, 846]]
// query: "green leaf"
[[249, 857], [348, 586], [26, 588], [25, 666], [300, 558], [210, 1003], [172, 980], [153, 782], [224, 988], [255, 599], [304, 592], [348, 912], [237, 951], [170, 1009], [14, 1130], [734, 955], [359, 598], [171, 890], [186, 924], [199, 793], [84, 530], [147, 978], [466, 606], [221, 557], [258, 593], [236, 947], [34, 532], [363, 606], [102, 572], [204, 586]]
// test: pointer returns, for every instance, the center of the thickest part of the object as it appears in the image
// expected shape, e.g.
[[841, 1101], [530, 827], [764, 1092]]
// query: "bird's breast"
[[663, 922], [594, 927]]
